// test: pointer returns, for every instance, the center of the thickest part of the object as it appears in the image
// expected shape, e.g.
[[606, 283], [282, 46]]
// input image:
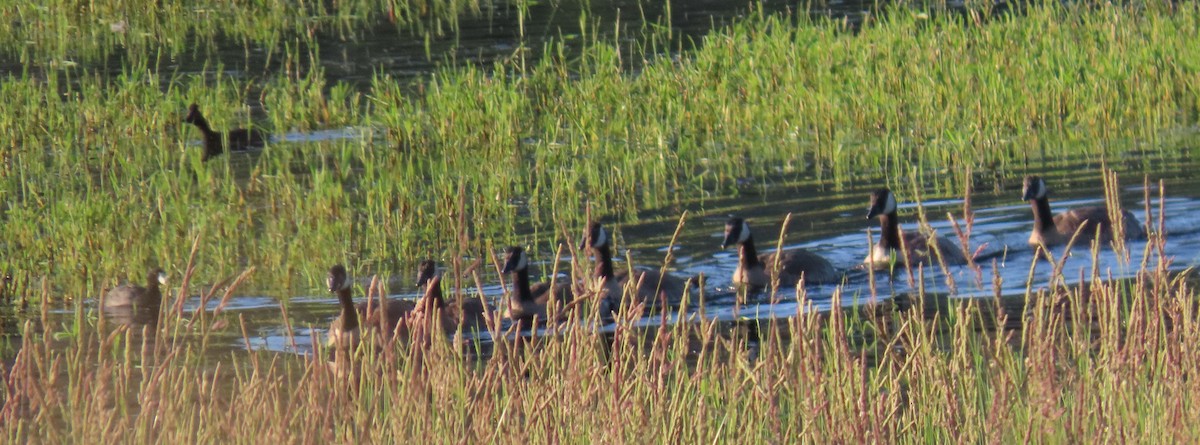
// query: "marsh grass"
[[100, 178], [56, 34], [100, 174], [1101, 360]]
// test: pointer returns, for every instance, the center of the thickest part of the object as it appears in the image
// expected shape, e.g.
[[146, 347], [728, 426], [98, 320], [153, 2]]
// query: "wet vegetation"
[[102, 179]]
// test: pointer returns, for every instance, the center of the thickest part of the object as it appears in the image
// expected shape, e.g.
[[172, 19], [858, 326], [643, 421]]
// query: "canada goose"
[[469, 313], [652, 286], [752, 268], [6, 287], [128, 295], [529, 302], [345, 331], [238, 139], [1051, 230], [883, 205]]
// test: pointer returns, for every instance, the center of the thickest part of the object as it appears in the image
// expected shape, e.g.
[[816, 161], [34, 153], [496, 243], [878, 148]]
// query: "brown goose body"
[[918, 248], [128, 295], [529, 302], [650, 287], [753, 269], [347, 329], [470, 314], [392, 312], [1058, 229], [215, 143]]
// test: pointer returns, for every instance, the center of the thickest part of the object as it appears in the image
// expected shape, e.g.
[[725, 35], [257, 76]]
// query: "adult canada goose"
[[128, 295], [652, 287], [793, 264], [1051, 230], [529, 302], [346, 329], [215, 143], [469, 313], [883, 205]]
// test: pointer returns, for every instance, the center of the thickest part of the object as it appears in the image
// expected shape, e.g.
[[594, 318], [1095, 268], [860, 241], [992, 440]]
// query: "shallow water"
[[495, 34], [826, 219]]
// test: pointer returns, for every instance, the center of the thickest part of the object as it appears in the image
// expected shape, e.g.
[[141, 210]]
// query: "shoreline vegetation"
[[924, 100], [100, 175]]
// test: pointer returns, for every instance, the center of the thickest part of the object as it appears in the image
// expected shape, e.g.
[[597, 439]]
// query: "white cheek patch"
[[601, 238], [889, 206], [1040, 186], [345, 283], [745, 235], [522, 261], [162, 278]]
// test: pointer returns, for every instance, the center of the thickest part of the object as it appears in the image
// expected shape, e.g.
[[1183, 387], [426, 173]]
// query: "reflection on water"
[[500, 32], [828, 222]]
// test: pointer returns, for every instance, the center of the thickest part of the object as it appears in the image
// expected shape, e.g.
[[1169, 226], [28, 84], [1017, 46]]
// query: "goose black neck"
[[153, 293], [521, 278], [1042, 219], [202, 123], [889, 226], [434, 293], [213, 145], [604, 264], [349, 314], [748, 253]]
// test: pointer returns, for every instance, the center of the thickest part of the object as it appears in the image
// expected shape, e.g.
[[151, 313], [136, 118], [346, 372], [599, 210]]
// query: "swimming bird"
[[215, 143], [346, 330], [752, 269], [883, 205], [128, 295], [652, 287], [6, 287], [529, 302], [1051, 230], [468, 313]]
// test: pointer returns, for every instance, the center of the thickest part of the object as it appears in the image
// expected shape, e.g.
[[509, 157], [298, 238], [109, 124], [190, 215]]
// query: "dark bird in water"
[[215, 143], [468, 313], [128, 295], [752, 269], [346, 330], [650, 286], [529, 302], [1051, 230], [918, 246]]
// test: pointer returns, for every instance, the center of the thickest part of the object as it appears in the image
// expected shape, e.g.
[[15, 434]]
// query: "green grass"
[[100, 174], [100, 178], [64, 33]]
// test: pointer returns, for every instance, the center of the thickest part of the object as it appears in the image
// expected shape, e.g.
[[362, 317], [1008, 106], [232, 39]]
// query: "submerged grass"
[[61, 33]]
